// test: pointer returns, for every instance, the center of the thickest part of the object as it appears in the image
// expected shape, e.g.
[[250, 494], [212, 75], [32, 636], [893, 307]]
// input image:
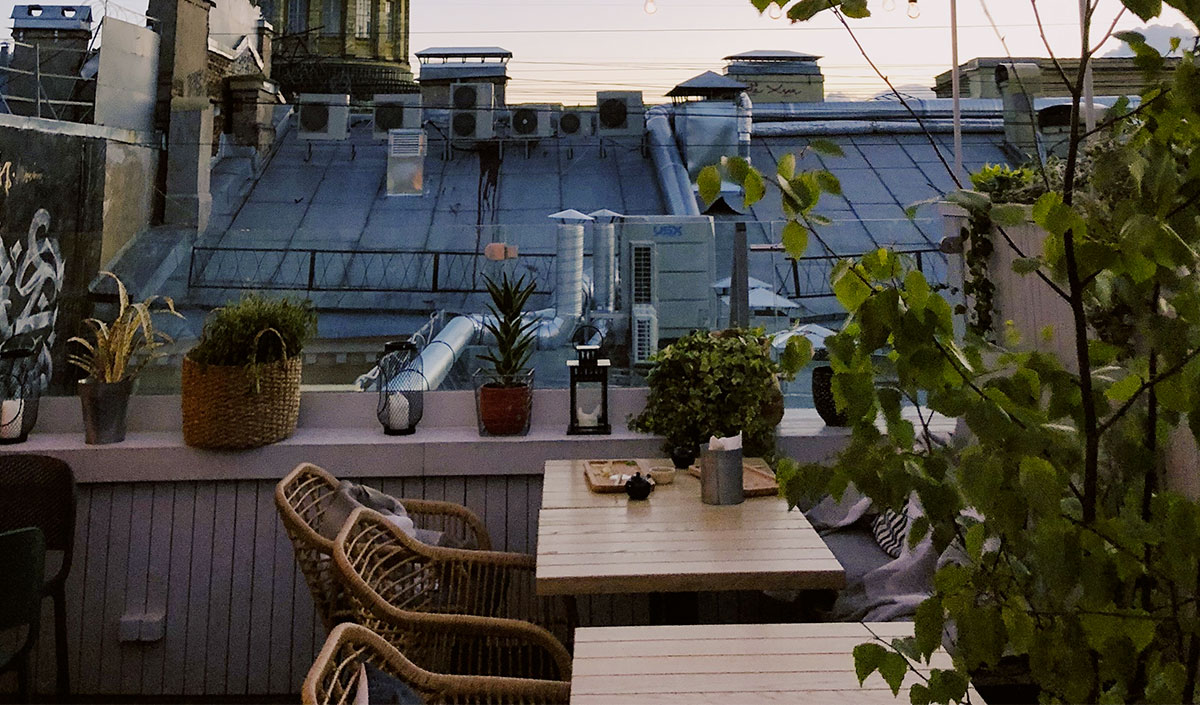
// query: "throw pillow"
[[890, 529]]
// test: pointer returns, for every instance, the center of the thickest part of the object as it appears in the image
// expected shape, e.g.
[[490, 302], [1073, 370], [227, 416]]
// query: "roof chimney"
[[52, 46], [1019, 84], [778, 76]]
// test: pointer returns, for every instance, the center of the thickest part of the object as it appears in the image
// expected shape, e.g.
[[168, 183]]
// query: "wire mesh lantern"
[[401, 388], [20, 390], [589, 392]]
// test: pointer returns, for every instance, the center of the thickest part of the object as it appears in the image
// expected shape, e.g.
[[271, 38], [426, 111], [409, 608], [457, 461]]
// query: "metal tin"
[[721, 476]]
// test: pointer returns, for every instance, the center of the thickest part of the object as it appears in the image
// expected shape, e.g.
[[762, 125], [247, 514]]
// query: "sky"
[[566, 50]]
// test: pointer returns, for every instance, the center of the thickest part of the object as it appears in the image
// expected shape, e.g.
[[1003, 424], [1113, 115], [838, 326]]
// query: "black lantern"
[[589, 392], [20, 390], [401, 388]]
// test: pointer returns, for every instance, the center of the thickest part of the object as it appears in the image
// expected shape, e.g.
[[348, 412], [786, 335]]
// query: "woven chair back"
[[302, 497]]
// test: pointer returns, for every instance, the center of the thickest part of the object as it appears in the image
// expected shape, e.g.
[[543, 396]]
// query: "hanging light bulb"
[[775, 11], [889, 5], [650, 8], [914, 11]]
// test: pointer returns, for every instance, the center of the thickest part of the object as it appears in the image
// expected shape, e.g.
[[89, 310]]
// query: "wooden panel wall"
[[212, 557]]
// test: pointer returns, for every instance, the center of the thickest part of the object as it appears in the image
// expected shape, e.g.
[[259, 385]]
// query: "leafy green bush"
[[256, 330], [713, 383]]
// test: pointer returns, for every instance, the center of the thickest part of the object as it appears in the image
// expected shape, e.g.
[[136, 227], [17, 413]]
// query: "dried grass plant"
[[122, 348]]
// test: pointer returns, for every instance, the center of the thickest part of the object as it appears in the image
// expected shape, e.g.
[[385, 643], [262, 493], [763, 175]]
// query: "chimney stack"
[[51, 41], [778, 76]]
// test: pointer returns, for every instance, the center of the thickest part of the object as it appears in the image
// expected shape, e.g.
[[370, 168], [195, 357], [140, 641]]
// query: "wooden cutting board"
[[757, 478], [605, 475]]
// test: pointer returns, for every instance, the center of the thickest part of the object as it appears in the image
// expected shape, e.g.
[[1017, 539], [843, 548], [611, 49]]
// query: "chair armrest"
[[450, 515], [470, 645]]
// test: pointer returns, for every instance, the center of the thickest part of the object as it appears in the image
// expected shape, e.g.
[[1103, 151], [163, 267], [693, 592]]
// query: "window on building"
[[362, 19], [297, 15], [331, 17]]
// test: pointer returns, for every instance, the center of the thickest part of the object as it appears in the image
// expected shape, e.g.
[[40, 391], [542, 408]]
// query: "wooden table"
[[732, 663], [590, 543]]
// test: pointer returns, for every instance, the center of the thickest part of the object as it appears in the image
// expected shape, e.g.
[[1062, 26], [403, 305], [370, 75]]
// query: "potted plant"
[[504, 393], [112, 360], [241, 383], [714, 383]]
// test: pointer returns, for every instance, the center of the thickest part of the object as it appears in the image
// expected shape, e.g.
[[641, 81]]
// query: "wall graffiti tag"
[[34, 270]]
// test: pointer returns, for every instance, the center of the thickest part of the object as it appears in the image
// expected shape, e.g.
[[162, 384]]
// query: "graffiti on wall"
[[31, 271]]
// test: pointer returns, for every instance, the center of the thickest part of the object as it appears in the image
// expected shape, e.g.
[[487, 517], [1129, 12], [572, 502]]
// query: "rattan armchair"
[[450, 610], [335, 675], [302, 498]]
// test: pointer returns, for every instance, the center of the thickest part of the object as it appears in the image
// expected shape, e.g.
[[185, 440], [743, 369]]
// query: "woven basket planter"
[[221, 408]]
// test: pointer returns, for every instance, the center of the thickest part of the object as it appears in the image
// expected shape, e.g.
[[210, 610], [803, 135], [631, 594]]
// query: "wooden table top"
[[733, 663], [591, 543]]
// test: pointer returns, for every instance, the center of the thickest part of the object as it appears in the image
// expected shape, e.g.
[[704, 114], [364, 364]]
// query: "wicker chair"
[[449, 609], [302, 498], [334, 676]]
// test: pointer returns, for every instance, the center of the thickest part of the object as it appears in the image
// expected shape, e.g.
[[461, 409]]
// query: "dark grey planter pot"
[[105, 406]]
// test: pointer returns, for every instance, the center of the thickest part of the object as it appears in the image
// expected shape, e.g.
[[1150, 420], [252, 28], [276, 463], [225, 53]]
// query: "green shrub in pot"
[[715, 383], [504, 390]]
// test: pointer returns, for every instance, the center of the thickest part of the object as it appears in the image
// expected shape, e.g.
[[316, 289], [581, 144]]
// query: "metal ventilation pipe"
[[672, 176], [604, 254], [438, 357], [568, 271], [745, 124]]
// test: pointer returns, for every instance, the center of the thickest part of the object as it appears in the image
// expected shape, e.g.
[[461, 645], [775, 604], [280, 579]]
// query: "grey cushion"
[[383, 689]]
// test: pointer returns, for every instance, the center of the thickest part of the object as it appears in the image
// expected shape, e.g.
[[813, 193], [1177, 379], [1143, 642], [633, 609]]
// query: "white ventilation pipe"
[[552, 327], [604, 254], [869, 127], [745, 124], [672, 176]]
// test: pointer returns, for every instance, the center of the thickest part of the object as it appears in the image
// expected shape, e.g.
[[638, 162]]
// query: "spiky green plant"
[[122, 348], [514, 344]]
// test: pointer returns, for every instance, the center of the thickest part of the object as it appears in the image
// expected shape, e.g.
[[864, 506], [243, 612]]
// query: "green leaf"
[[893, 668], [762, 5], [826, 148], [829, 183], [1124, 389], [796, 354], [851, 291], [786, 166], [916, 290], [1040, 483], [737, 167], [807, 9], [947, 686], [1166, 682], [928, 624], [1145, 9], [709, 182], [867, 659], [795, 239], [918, 694], [754, 188], [1026, 265]]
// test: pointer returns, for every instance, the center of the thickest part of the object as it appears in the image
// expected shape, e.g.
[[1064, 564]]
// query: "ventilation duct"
[[406, 162], [1019, 84], [673, 179]]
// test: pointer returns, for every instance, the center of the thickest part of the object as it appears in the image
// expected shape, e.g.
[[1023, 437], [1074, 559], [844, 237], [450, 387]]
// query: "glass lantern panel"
[[589, 398]]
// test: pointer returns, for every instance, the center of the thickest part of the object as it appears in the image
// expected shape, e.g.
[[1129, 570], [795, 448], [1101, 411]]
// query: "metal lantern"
[[589, 392], [20, 390], [401, 389]]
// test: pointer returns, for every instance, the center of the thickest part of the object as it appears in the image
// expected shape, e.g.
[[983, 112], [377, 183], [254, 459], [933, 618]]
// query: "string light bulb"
[[889, 5], [775, 11], [650, 8], [914, 10]]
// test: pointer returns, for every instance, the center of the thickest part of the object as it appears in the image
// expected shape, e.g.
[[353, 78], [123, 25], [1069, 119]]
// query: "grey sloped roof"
[[336, 199]]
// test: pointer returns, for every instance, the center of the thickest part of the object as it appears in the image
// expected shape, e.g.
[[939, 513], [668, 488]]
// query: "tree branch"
[[1148, 384], [1062, 73]]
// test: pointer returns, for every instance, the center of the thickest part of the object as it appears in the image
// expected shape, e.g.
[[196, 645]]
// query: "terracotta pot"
[[505, 411]]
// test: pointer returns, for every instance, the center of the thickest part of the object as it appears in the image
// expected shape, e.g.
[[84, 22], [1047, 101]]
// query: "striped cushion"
[[890, 529]]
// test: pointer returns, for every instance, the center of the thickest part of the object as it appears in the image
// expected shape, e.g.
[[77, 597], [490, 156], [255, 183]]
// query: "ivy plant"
[[1067, 549]]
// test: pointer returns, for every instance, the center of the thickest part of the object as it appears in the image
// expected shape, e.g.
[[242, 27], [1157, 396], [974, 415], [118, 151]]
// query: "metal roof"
[[464, 52], [61, 17], [707, 84], [771, 55]]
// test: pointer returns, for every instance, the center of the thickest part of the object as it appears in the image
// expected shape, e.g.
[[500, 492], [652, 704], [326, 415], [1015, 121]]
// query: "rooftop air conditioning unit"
[[620, 113], [532, 121], [471, 107], [576, 122], [396, 111], [643, 274], [324, 116], [644, 332], [406, 162]]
